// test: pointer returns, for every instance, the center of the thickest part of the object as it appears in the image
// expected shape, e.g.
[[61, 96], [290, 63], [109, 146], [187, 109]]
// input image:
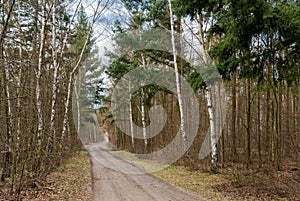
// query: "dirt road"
[[112, 185]]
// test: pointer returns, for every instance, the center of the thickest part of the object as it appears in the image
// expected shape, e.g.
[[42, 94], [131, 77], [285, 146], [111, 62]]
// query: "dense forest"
[[43, 44], [225, 74], [249, 118]]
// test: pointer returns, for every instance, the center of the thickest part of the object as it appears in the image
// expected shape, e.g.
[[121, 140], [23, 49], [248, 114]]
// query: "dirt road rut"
[[109, 184]]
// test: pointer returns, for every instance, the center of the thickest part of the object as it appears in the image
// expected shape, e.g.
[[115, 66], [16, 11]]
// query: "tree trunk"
[[233, 117], [54, 82], [38, 80], [205, 46], [131, 120], [213, 140], [77, 84], [267, 141], [73, 73], [178, 87], [259, 130], [9, 123], [143, 109], [248, 120], [6, 171]]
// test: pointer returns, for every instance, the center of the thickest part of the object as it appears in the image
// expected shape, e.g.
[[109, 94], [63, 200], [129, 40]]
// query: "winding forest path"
[[112, 185]]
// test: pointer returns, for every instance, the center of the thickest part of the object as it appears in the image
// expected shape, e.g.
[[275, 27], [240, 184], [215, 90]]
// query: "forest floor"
[[69, 182], [277, 186]]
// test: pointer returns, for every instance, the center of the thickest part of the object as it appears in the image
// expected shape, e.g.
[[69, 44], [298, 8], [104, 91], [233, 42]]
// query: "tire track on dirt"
[[109, 184]]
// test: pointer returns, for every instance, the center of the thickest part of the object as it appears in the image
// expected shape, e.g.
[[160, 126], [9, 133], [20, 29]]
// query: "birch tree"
[[38, 79], [55, 79], [177, 75], [35, 55], [143, 103], [56, 65], [100, 8], [203, 17], [131, 119], [6, 172]]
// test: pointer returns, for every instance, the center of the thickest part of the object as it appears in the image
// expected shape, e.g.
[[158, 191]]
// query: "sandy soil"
[[110, 184]]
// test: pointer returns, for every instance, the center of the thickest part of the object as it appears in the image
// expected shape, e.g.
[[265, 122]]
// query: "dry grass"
[[182, 177], [71, 181], [196, 181], [275, 186]]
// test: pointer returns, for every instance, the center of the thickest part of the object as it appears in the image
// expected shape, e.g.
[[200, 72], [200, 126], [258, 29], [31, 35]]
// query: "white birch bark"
[[19, 82], [39, 76], [55, 79], [6, 169], [77, 95], [19, 101], [208, 93], [143, 100], [67, 103], [8, 102], [56, 67], [131, 120], [213, 141], [97, 13], [180, 103], [143, 109], [144, 119]]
